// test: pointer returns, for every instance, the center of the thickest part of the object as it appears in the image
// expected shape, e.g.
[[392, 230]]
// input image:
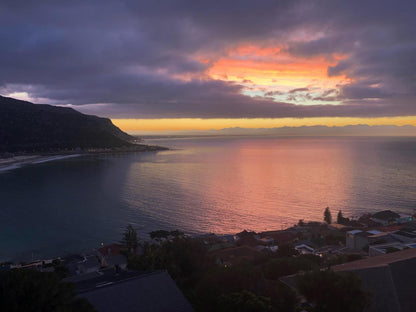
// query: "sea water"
[[201, 185]]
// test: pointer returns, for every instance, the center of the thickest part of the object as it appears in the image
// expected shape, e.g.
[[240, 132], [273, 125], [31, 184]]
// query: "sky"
[[176, 64]]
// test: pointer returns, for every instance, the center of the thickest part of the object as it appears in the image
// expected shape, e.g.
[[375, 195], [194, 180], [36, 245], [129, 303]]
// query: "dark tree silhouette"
[[130, 240], [331, 291], [327, 216], [30, 290], [244, 301]]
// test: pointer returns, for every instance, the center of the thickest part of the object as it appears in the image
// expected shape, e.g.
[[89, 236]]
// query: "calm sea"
[[218, 184]]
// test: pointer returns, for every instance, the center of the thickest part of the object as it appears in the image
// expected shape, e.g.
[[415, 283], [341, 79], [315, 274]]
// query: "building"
[[112, 256], [358, 240], [145, 292], [305, 248], [390, 278], [407, 233], [382, 249], [390, 217]]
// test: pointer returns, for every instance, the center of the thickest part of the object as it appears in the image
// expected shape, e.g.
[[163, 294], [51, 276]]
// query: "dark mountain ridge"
[[28, 127]]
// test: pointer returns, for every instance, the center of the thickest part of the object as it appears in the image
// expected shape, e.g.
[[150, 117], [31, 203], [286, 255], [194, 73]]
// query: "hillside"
[[28, 127]]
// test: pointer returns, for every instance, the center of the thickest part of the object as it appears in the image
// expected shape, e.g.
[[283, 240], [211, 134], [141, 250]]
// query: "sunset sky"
[[182, 65]]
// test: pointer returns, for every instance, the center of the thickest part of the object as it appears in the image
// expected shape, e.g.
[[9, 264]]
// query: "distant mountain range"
[[29, 127], [351, 130]]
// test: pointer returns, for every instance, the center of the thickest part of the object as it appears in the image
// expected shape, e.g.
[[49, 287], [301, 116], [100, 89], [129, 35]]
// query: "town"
[[267, 271]]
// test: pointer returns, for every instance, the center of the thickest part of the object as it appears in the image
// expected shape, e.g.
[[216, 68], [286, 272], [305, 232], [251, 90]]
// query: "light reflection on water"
[[221, 185]]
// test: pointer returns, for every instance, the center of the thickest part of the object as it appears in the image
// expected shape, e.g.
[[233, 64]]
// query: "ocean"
[[201, 185]]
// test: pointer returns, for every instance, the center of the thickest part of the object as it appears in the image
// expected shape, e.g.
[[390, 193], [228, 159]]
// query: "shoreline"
[[20, 160], [363, 223]]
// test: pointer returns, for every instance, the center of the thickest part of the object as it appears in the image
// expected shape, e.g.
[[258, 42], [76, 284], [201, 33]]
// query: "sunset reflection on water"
[[228, 185]]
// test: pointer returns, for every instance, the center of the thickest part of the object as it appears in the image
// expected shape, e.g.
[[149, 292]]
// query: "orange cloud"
[[274, 67]]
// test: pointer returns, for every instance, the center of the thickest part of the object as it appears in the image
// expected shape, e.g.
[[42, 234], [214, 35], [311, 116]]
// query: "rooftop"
[[111, 250], [390, 278], [146, 292], [378, 261], [386, 215]]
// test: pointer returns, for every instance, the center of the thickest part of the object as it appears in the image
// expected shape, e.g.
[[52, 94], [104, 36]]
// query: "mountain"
[[350, 130], [28, 127]]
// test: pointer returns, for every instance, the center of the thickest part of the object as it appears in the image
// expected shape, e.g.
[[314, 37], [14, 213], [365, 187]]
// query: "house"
[[407, 233], [230, 256], [390, 217], [390, 278], [228, 238], [264, 240], [329, 250], [88, 264], [338, 227], [281, 237], [382, 249], [112, 256], [144, 292], [269, 248], [358, 240], [81, 264], [305, 248]]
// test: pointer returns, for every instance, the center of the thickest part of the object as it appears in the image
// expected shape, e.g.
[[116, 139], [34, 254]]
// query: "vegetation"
[[165, 234], [341, 258], [38, 128], [130, 241], [327, 216], [276, 268], [244, 301], [30, 290], [211, 287], [341, 219], [247, 238], [253, 282], [330, 291]]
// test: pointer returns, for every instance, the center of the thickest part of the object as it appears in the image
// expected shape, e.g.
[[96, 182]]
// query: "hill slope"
[[29, 127]]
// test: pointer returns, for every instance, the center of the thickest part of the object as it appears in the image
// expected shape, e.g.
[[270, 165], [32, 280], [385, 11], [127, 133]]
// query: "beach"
[[15, 162]]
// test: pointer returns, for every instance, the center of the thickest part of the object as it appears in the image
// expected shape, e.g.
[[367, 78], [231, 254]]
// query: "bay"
[[205, 184]]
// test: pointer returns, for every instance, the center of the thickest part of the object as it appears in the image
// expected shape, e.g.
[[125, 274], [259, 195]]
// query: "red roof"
[[111, 250], [282, 237], [390, 228]]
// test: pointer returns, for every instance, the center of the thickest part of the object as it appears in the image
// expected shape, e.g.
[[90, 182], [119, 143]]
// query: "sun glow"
[[275, 73], [184, 124]]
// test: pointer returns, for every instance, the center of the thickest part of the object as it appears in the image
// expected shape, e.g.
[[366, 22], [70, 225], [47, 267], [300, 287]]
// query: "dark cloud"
[[273, 93], [299, 90], [142, 58]]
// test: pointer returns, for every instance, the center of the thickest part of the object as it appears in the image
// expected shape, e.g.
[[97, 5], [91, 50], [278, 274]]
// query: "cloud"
[[273, 93], [299, 90], [150, 58]]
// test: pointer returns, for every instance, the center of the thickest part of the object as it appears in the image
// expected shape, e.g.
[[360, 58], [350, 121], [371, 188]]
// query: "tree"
[[327, 216], [130, 240], [244, 301], [340, 217], [30, 290], [331, 291]]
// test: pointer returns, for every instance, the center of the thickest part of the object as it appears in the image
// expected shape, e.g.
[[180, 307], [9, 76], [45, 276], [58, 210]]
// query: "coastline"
[[7, 164], [19, 160]]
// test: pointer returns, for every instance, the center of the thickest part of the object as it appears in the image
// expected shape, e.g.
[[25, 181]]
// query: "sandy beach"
[[15, 162]]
